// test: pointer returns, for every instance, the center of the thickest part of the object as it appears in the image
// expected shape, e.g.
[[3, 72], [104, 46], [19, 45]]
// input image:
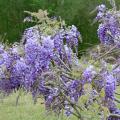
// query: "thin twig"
[[105, 54], [117, 93], [63, 63], [117, 100], [114, 115]]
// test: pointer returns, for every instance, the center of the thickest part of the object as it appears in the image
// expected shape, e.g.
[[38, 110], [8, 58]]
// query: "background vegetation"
[[73, 11]]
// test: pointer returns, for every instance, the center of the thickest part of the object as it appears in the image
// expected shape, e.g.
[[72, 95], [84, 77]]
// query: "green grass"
[[25, 110]]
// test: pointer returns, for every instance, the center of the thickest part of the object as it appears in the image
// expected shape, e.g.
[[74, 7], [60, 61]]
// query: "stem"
[[117, 100], [69, 77], [72, 112], [112, 2], [65, 95], [114, 115], [105, 53], [116, 66], [64, 63], [117, 93], [73, 105], [17, 99]]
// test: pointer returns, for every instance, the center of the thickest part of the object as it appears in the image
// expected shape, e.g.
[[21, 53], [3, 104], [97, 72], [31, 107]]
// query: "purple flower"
[[58, 43], [88, 74], [110, 86], [109, 29], [68, 109], [105, 33], [72, 36], [101, 8], [101, 11], [31, 35]]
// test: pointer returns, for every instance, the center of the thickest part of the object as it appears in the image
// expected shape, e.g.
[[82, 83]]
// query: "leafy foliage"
[[74, 12]]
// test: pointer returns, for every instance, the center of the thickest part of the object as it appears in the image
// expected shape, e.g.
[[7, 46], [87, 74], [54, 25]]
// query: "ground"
[[25, 110]]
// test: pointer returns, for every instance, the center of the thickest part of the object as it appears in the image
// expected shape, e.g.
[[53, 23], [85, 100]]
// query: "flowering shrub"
[[45, 63]]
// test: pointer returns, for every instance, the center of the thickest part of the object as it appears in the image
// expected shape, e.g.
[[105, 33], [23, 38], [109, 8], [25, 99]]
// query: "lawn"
[[25, 110]]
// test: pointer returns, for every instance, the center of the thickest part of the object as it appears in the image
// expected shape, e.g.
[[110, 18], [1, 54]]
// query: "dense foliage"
[[45, 63], [74, 12]]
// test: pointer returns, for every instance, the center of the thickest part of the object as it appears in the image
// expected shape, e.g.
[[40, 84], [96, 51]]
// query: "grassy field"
[[26, 110]]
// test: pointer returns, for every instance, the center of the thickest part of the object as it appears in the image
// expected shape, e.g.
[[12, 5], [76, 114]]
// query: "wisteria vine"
[[45, 63]]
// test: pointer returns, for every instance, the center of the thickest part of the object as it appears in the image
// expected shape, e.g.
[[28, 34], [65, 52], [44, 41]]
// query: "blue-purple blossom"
[[110, 86], [101, 8], [109, 28], [68, 109], [106, 34], [58, 43], [101, 11], [31, 35], [89, 74], [72, 37]]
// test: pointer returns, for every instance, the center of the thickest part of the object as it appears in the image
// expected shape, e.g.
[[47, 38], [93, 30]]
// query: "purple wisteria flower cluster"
[[47, 66], [109, 29]]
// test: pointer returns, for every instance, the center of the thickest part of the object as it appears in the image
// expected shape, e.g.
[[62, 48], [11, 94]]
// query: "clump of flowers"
[[109, 29], [45, 63]]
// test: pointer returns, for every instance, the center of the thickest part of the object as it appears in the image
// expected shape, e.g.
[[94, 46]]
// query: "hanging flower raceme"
[[109, 29], [10, 80], [110, 86], [101, 11]]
